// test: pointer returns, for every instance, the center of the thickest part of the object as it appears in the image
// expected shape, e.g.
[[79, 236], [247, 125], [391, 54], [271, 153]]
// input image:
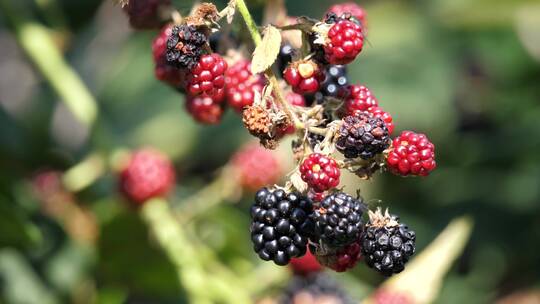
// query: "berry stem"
[[256, 37], [84, 173], [201, 286], [37, 43]]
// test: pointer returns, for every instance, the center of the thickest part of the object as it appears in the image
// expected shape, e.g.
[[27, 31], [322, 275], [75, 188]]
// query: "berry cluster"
[[338, 125]]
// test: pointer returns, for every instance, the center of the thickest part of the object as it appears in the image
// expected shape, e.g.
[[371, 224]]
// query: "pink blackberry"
[[256, 166], [148, 174], [357, 98]]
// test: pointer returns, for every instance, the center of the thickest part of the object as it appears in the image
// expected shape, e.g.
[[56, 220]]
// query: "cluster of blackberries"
[[284, 224], [318, 216]]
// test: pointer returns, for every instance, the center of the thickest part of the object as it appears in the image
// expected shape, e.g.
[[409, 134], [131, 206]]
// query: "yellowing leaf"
[[267, 51]]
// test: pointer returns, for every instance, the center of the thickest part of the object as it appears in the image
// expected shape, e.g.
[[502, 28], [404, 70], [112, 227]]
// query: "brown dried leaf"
[[229, 11], [267, 51]]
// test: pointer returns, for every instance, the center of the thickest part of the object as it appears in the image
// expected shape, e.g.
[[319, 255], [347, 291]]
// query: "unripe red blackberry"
[[320, 172], [412, 154], [185, 46], [305, 265], [340, 259], [163, 70], [204, 109], [387, 244], [145, 14], [349, 8], [280, 225], [304, 77], [363, 136], [207, 78], [338, 220], [256, 167], [358, 98], [343, 43], [378, 112], [148, 174], [241, 85]]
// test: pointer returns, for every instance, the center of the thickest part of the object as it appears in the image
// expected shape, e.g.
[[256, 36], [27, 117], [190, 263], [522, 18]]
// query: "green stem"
[[221, 188], [256, 37], [84, 173], [40, 48], [201, 286]]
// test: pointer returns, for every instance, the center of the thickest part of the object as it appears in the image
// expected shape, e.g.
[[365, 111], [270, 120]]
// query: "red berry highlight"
[[320, 172], [207, 78], [344, 43], [241, 85], [148, 174], [256, 166], [205, 110], [412, 154], [304, 77], [305, 265], [357, 98]]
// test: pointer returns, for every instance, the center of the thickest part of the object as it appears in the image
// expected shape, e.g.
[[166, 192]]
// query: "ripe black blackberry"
[[336, 79], [285, 57], [281, 225], [338, 220], [387, 244], [185, 46], [314, 288], [362, 135]]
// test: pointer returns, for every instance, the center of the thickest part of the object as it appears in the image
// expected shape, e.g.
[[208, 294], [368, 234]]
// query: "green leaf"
[[267, 51]]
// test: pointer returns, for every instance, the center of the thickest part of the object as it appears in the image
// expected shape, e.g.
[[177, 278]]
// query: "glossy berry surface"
[[304, 77], [185, 46], [305, 265], [358, 98], [412, 154], [163, 70], [144, 14], [387, 249], [320, 172], [338, 219], [280, 225], [207, 78], [256, 167], [204, 109], [345, 41], [241, 85], [148, 174], [349, 8]]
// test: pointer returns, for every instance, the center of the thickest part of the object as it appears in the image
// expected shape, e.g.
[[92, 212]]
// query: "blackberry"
[[281, 225], [314, 288], [338, 219], [363, 136], [185, 46], [145, 14], [285, 57], [387, 244], [335, 81]]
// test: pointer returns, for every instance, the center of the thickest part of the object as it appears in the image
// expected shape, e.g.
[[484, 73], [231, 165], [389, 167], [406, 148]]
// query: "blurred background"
[[467, 73]]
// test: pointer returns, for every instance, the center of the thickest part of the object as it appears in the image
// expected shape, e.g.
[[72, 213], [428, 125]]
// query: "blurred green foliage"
[[460, 71]]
